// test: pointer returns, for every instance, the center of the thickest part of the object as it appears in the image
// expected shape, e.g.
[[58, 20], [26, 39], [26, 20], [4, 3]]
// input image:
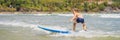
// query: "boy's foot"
[[85, 30]]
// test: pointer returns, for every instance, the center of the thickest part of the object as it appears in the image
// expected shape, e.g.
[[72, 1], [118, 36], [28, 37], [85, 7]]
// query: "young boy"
[[78, 18]]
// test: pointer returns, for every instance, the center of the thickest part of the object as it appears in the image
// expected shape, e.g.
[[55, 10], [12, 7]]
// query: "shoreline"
[[58, 12]]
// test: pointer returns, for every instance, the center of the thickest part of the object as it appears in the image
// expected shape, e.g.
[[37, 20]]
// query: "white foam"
[[41, 14], [110, 15], [20, 24], [13, 23], [53, 14], [86, 34], [65, 14], [44, 14]]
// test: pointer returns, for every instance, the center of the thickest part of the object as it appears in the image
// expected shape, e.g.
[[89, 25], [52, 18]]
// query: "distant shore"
[[58, 12], [59, 5]]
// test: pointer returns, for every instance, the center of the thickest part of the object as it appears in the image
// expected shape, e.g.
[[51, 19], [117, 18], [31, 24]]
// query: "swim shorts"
[[80, 20]]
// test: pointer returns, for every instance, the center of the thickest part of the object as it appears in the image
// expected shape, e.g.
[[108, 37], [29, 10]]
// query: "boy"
[[78, 18]]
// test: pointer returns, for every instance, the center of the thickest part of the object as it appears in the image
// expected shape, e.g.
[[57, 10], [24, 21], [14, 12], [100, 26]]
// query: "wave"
[[45, 14], [110, 15], [104, 15], [20, 24], [65, 14], [87, 34], [32, 26], [99, 15], [53, 14]]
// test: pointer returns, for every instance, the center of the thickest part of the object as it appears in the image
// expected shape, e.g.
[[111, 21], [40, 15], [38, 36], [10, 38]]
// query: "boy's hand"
[[73, 21]]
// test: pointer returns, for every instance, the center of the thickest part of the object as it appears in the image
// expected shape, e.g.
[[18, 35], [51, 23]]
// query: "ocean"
[[24, 27]]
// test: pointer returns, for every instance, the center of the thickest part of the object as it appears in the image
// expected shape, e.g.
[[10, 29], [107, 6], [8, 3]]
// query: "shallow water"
[[24, 27]]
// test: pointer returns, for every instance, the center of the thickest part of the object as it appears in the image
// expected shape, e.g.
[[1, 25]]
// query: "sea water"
[[24, 27]]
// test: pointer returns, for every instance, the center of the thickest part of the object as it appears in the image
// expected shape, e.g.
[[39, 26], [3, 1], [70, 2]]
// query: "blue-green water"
[[24, 27]]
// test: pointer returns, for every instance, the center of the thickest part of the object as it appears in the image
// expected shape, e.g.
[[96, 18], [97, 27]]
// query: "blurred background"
[[19, 19], [59, 5]]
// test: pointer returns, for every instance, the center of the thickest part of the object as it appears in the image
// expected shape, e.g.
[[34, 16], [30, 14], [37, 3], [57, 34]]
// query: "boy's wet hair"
[[75, 9]]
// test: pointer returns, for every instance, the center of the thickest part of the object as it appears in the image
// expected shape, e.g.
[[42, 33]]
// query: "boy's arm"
[[74, 17]]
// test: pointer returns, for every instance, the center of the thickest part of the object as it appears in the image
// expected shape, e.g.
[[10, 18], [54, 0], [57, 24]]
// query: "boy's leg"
[[84, 26], [74, 26]]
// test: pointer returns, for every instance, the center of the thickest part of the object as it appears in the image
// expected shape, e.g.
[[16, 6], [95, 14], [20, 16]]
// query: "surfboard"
[[54, 30]]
